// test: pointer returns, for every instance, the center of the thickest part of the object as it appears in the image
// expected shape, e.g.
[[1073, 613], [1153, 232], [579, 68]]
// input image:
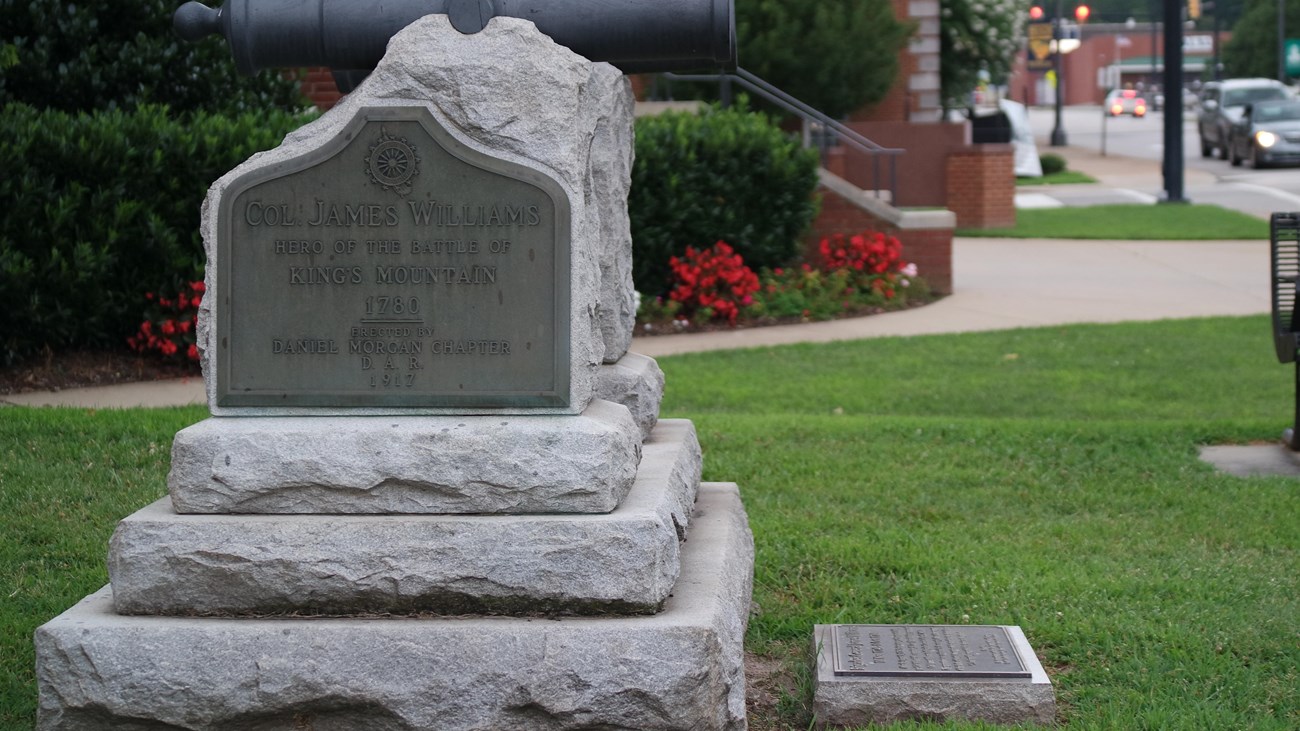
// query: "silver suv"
[[1221, 105]]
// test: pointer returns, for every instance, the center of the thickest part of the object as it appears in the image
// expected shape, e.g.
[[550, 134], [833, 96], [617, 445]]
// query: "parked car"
[[1221, 105], [1267, 133], [1125, 101]]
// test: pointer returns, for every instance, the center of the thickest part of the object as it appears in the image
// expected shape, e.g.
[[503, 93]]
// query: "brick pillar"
[[914, 95], [982, 186]]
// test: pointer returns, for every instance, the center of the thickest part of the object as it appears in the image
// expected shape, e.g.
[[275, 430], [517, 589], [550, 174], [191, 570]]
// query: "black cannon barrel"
[[635, 35]]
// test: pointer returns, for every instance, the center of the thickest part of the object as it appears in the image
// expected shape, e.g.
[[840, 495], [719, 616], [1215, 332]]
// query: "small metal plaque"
[[393, 267], [925, 650]]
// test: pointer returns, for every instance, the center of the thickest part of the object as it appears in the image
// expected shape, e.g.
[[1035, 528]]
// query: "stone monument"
[[434, 492]]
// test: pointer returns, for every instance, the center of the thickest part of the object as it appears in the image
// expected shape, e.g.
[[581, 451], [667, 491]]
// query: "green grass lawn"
[[1190, 222], [1065, 177], [1046, 478]]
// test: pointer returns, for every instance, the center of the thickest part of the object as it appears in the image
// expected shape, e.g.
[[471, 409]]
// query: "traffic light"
[[1035, 13], [1193, 9], [1082, 12]]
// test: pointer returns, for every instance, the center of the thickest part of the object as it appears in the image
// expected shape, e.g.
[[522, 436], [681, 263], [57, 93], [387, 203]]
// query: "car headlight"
[[1264, 138]]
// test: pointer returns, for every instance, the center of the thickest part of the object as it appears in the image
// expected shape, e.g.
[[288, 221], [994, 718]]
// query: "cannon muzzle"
[[350, 35]]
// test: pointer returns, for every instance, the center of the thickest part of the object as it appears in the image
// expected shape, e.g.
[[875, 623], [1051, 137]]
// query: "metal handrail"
[[811, 115]]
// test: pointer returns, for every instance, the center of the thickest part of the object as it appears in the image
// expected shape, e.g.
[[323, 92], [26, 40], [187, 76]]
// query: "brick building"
[[1115, 56]]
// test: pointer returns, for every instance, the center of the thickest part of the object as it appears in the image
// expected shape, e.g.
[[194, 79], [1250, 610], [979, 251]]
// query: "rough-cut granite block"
[[636, 382], [680, 669], [608, 183], [514, 94], [407, 464], [625, 561], [840, 701]]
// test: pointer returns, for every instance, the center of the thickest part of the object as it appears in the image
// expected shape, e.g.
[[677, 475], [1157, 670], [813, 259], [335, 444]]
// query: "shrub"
[[100, 208], [712, 283], [1052, 163], [727, 175], [100, 54]]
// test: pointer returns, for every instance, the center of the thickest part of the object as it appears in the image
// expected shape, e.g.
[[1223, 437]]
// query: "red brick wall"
[[921, 169], [318, 86], [982, 186], [929, 248]]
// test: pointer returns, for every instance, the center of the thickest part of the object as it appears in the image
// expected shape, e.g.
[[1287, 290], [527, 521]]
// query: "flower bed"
[[854, 275], [170, 324]]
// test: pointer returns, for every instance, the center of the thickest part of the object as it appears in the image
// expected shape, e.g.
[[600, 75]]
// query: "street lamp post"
[[1058, 131], [1081, 13]]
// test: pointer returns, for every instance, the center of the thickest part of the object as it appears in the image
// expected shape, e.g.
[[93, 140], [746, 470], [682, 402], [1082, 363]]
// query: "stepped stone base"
[[680, 669], [846, 701], [407, 464], [625, 561], [636, 382]]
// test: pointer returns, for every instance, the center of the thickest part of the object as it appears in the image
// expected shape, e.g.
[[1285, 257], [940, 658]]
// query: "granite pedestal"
[[679, 669]]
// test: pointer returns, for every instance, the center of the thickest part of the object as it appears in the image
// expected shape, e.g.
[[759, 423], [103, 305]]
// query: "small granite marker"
[[414, 342], [882, 673]]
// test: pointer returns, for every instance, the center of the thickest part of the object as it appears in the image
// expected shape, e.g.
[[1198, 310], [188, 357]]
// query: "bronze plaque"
[[925, 650], [393, 267]]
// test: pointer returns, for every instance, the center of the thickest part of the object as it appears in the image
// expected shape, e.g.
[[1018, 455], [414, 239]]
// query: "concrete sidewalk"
[[999, 283]]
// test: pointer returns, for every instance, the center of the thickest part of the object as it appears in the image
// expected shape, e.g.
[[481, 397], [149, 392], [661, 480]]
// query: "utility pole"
[[1281, 41], [1173, 82]]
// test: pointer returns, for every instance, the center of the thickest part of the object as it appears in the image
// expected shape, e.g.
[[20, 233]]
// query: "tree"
[[977, 36], [1253, 48], [98, 54], [836, 55]]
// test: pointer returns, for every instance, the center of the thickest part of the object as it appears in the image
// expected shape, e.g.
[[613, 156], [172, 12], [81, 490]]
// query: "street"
[[1206, 180]]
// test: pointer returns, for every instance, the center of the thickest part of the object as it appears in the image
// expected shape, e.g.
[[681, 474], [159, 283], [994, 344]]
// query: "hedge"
[[108, 54], [728, 175], [103, 207]]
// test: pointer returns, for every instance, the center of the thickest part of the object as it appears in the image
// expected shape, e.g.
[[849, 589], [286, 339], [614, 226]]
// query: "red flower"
[[715, 278], [168, 323]]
